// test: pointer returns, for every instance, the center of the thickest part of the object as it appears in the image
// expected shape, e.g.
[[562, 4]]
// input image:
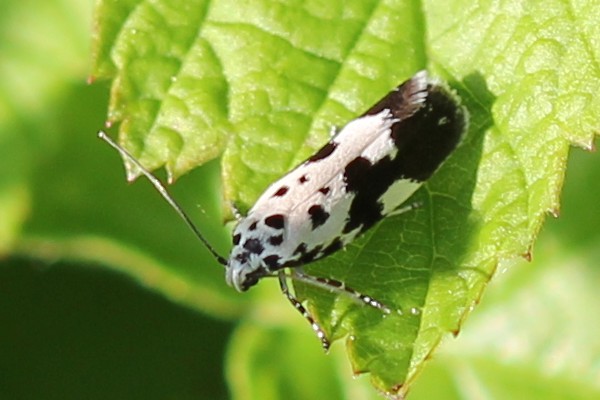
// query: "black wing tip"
[[434, 127], [413, 94], [445, 97], [425, 89], [438, 85]]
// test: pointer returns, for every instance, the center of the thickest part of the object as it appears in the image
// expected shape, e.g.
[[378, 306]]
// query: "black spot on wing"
[[365, 211], [252, 226], [305, 255], [301, 249], [356, 173], [324, 152], [281, 191], [236, 239], [334, 246], [276, 240], [310, 255], [303, 179], [325, 190], [318, 216], [272, 261], [254, 246], [275, 221]]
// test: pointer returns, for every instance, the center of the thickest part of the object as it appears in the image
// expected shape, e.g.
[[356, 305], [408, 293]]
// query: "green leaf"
[[262, 82], [531, 339], [533, 336]]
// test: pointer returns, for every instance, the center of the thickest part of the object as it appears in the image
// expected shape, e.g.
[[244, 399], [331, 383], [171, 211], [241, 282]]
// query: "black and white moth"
[[366, 171]]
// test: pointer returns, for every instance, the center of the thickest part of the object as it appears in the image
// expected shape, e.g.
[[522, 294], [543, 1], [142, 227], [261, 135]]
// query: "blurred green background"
[[69, 327], [72, 326]]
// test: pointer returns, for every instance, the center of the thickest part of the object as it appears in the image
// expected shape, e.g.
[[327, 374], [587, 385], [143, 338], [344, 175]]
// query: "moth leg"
[[339, 287], [302, 310], [402, 210]]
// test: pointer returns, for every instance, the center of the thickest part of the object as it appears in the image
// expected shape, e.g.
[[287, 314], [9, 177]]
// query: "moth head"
[[253, 255], [244, 269]]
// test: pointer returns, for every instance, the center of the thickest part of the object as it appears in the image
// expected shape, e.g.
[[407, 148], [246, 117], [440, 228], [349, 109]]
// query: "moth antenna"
[[164, 193]]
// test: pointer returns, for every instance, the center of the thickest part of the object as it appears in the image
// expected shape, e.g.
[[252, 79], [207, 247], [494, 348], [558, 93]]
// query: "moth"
[[365, 172]]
